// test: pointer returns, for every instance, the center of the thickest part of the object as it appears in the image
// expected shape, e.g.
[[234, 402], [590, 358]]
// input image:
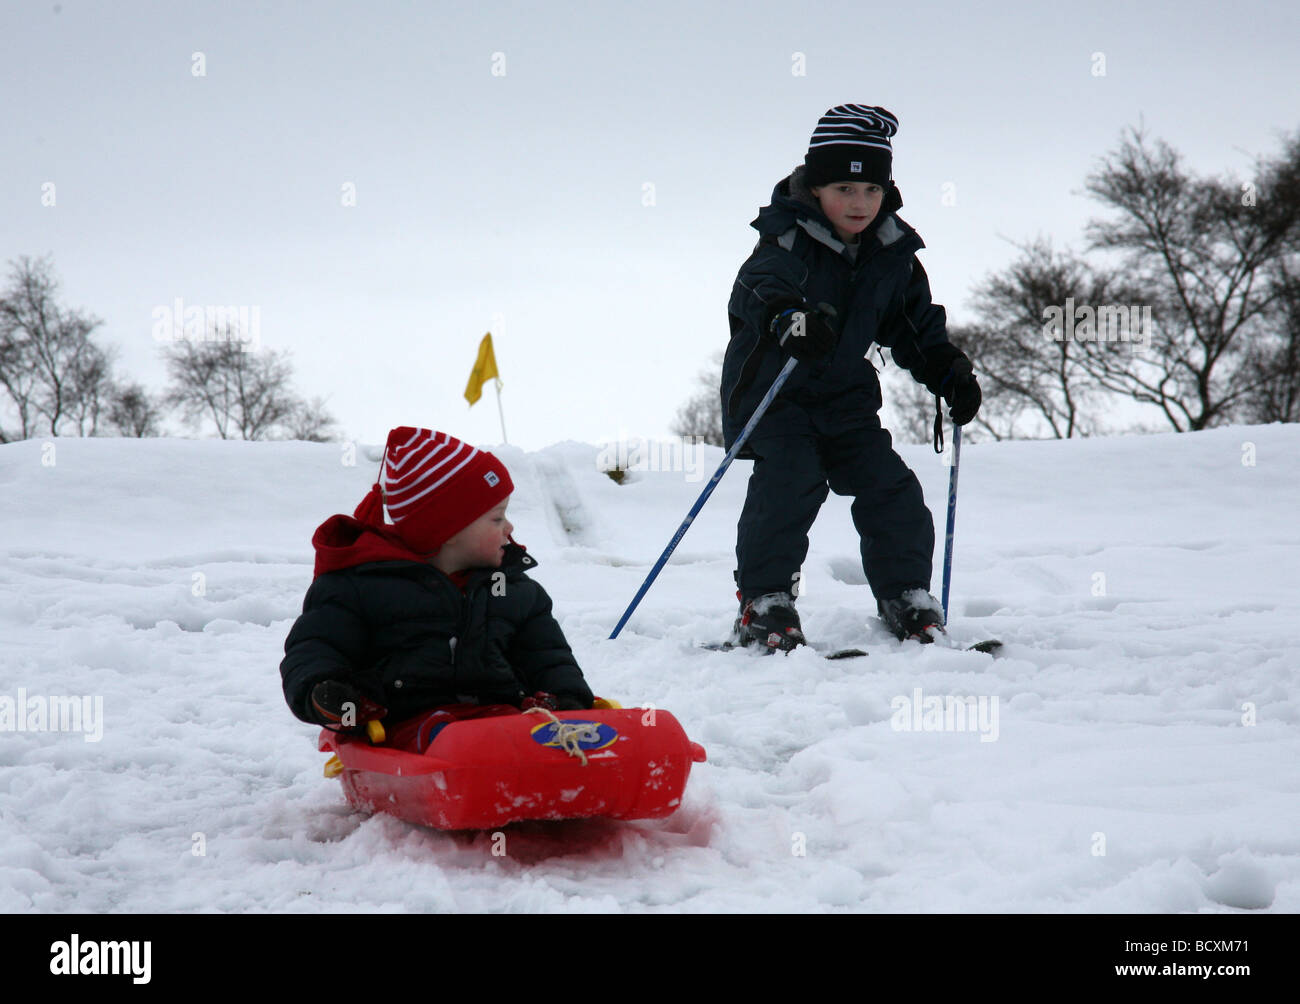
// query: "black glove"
[[948, 372], [804, 333], [962, 392], [341, 707]]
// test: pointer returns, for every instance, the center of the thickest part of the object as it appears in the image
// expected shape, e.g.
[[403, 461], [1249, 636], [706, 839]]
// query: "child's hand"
[[541, 699], [341, 707], [948, 372], [962, 392], [552, 702], [803, 333]]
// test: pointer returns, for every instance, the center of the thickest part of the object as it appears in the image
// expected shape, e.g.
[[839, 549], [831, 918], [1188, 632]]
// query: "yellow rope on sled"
[[374, 732], [569, 734]]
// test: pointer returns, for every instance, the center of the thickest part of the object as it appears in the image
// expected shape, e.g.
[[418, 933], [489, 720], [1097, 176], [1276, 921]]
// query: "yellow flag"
[[485, 368]]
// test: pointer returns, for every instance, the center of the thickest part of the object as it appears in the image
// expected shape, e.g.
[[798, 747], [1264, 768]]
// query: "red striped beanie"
[[433, 486]]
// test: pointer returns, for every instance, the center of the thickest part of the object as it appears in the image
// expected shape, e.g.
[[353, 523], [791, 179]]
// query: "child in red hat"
[[431, 615]]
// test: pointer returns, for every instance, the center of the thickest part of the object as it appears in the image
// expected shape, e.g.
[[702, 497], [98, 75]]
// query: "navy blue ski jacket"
[[882, 297]]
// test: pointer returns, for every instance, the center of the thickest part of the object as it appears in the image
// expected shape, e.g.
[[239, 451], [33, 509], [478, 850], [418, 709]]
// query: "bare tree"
[[244, 393], [1274, 360], [914, 406], [1198, 251], [1036, 381], [91, 385], [49, 366], [311, 423], [700, 417], [18, 379], [131, 412], [1273, 363]]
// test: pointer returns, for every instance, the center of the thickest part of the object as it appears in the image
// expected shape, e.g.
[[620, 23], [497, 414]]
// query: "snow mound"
[[1133, 749]]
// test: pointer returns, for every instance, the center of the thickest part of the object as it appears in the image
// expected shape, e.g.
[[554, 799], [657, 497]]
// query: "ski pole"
[[952, 517], [708, 490]]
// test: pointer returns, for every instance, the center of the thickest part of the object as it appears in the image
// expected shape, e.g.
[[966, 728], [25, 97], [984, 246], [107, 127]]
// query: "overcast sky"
[[578, 179]]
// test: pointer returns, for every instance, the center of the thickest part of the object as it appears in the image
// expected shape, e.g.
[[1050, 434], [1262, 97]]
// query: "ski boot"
[[769, 620], [914, 614]]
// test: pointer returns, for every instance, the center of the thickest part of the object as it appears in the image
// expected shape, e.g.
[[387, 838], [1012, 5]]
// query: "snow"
[[1133, 749]]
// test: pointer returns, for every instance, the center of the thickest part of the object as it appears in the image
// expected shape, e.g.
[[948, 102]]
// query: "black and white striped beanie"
[[851, 143]]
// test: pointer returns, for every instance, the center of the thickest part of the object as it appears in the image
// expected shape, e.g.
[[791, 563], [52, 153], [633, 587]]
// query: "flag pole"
[[501, 413]]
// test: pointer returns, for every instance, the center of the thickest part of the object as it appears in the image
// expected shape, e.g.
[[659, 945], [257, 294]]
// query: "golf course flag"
[[485, 368]]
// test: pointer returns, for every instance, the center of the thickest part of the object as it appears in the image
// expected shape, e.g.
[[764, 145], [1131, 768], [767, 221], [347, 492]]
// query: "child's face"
[[479, 545], [850, 206]]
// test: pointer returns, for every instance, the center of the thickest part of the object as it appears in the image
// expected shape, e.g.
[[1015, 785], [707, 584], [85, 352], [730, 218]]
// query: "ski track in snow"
[[1144, 587]]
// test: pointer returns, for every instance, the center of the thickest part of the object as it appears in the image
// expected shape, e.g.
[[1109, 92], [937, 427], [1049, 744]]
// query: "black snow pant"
[[801, 451]]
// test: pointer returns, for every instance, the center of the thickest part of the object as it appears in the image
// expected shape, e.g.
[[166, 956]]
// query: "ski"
[[936, 634], [990, 646], [825, 653]]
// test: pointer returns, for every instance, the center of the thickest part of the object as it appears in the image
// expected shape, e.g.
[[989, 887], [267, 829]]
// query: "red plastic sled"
[[487, 772]]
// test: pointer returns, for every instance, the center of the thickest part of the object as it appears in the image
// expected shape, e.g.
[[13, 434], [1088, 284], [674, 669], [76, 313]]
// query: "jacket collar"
[[514, 563], [794, 205], [344, 542]]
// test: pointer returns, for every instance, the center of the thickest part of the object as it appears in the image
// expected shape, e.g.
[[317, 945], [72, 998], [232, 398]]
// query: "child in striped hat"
[[431, 611], [835, 273]]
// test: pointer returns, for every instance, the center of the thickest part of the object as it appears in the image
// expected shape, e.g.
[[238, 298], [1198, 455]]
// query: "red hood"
[[342, 542]]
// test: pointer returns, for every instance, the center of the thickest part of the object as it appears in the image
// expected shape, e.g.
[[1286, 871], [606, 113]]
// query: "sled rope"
[[569, 734]]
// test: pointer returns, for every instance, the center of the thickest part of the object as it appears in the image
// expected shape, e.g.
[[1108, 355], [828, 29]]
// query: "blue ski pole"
[[708, 490], [952, 518]]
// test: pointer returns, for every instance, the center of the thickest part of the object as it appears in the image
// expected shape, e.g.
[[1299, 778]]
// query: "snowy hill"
[[1136, 751]]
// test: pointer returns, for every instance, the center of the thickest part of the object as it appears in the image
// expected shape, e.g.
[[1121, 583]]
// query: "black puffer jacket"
[[881, 296], [406, 636]]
